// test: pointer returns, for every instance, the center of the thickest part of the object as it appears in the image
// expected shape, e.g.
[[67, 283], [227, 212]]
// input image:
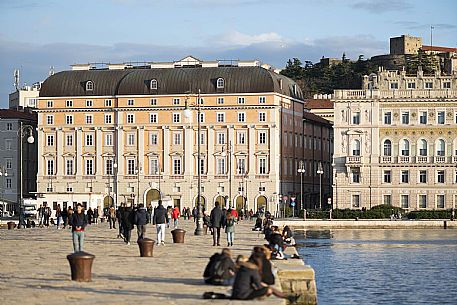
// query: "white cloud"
[[240, 39]]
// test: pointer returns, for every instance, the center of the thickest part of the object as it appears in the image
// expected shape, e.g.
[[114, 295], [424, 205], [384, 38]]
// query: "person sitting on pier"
[[287, 236], [258, 224], [276, 243], [220, 269], [265, 254]]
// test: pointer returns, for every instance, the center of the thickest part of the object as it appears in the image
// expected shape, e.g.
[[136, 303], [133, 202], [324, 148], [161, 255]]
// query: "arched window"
[[440, 147], [153, 84], [387, 148], [220, 83], [404, 147], [356, 148], [423, 147], [89, 85]]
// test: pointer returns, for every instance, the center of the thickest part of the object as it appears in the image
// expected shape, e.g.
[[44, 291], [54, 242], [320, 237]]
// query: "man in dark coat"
[[78, 226], [127, 222], [141, 220], [160, 219], [217, 221]]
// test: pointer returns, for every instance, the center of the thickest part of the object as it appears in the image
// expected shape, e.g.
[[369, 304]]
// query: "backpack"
[[214, 271]]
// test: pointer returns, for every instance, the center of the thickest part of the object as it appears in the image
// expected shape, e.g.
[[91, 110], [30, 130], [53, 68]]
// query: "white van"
[[30, 209]]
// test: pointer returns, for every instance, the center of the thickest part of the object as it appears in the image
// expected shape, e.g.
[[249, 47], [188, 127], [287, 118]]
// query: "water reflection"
[[382, 266]]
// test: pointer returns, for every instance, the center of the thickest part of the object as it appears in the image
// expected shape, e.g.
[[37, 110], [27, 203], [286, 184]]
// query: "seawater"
[[382, 266]]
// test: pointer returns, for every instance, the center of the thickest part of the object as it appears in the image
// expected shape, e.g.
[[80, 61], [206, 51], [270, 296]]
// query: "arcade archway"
[[240, 203], [221, 200], [108, 201], [202, 202], [261, 202], [152, 195]]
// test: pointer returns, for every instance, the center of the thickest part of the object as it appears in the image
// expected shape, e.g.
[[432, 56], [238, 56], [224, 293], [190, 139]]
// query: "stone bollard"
[[445, 224], [81, 266], [11, 225], [178, 236], [146, 246]]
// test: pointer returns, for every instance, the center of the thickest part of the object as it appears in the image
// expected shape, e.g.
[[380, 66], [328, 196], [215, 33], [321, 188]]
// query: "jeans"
[[58, 221], [216, 236], [141, 230], [161, 232], [230, 237], [78, 241], [127, 233], [175, 223], [112, 223]]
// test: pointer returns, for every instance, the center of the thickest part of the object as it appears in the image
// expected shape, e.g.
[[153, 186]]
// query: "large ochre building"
[[119, 135], [396, 142]]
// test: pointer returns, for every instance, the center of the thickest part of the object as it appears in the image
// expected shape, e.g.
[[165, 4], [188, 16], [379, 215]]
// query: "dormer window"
[[220, 83], [153, 84], [89, 85]]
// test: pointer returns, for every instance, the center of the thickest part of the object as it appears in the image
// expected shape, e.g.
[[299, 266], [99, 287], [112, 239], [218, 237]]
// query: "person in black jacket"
[[267, 274], [221, 269], [78, 225], [216, 219], [160, 219], [276, 243], [127, 222], [141, 220]]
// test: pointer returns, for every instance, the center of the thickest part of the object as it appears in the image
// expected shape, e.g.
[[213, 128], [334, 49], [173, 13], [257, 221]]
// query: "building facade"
[[396, 142], [25, 97], [10, 122], [120, 135]]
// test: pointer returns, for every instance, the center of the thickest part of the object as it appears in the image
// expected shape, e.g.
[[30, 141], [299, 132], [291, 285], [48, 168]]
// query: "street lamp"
[[320, 171], [3, 173], [188, 114], [335, 183], [115, 185], [229, 161], [301, 170], [138, 171], [245, 189], [22, 132]]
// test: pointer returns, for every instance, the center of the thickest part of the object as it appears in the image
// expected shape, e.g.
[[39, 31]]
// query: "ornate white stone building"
[[396, 142]]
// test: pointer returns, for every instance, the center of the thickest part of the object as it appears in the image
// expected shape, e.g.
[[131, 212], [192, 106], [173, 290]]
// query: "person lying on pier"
[[220, 269], [248, 283], [276, 243], [287, 236]]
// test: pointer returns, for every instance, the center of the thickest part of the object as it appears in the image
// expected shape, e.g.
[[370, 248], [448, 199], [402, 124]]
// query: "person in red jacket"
[[175, 216], [234, 214]]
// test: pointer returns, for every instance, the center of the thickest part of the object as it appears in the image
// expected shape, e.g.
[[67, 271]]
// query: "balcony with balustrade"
[[353, 160]]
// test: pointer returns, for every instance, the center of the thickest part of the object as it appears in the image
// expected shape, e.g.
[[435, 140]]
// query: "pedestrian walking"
[[230, 229], [184, 213], [78, 225], [119, 220], [90, 215], [169, 210], [41, 215], [58, 216], [150, 209], [127, 222], [216, 218], [112, 217], [175, 217], [64, 217], [141, 220], [47, 215], [195, 213], [160, 220], [70, 216], [96, 215]]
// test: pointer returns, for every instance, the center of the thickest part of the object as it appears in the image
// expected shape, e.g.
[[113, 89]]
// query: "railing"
[[397, 93], [263, 176], [353, 159], [386, 159], [421, 159], [404, 159], [440, 159]]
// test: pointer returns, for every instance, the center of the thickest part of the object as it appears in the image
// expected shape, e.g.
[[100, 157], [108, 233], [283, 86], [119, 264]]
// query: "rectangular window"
[[202, 166], [9, 126], [108, 103], [356, 201], [109, 167], [69, 139], [262, 137], [50, 140], [405, 118], [404, 176], [241, 100], [69, 167], [220, 100], [441, 117], [423, 117], [130, 139], [220, 117], [262, 99], [8, 144], [109, 139], [9, 163], [49, 119], [220, 168], [130, 166], [422, 176], [202, 117], [241, 139], [404, 201], [428, 85], [393, 85], [69, 103], [153, 139], [440, 201], [50, 167], [153, 167], [440, 176], [387, 176], [387, 199], [262, 166], [89, 166], [240, 166], [388, 118], [108, 119], [355, 173], [89, 139], [69, 119], [356, 118], [89, 119], [153, 118], [89, 103], [130, 118], [176, 101], [176, 166], [241, 117], [423, 201], [411, 85], [447, 85], [177, 138], [202, 137], [176, 117], [50, 104], [262, 116], [220, 138], [8, 183], [130, 102], [153, 102]]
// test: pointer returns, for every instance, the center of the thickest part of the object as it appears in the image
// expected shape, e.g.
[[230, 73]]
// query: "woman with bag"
[[230, 228]]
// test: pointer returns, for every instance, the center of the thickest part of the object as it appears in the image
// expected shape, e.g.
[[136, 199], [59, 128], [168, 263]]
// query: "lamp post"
[[188, 114], [320, 171], [228, 153], [245, 189], [335, 184], [3, 174], [30, 139], [115, 185], [301, 170], [137, 172]]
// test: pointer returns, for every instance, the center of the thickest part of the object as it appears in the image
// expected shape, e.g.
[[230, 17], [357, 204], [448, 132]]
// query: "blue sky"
[[37, 34]]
